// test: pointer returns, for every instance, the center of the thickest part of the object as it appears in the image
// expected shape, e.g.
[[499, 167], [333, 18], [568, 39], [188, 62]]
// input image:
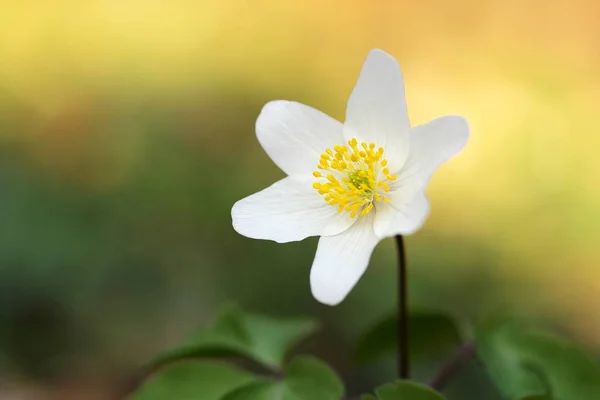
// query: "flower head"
[[353, 184]]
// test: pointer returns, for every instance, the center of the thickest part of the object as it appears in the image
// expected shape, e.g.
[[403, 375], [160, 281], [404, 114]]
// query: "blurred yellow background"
[[127, 133]]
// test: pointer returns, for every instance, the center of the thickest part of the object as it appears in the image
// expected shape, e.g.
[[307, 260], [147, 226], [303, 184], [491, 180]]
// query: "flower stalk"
[[403, 340]]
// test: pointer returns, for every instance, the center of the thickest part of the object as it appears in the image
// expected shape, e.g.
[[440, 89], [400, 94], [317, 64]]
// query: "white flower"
[[353, 184]]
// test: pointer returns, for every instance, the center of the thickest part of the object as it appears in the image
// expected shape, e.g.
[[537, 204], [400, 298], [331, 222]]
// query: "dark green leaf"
[[429, 332], [523, 362], [537, 397], [306, 378], [368, 397], [260, 338], [405, 390], [191, 380]]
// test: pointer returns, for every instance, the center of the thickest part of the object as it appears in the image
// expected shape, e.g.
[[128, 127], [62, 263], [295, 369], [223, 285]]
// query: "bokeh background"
[[127, 133]]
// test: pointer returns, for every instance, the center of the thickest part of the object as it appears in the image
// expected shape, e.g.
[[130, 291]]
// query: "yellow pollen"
[[354, 178]]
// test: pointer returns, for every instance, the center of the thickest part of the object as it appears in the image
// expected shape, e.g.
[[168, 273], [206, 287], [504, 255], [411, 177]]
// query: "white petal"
[[376, 109], [295, 135], [430, 145], [341, 260], [402, 215], [289, 210]]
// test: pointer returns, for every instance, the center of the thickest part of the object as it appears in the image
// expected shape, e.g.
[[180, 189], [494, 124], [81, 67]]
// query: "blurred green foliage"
[[523, 364], [404, 390], [127, 133], [263, 339], [208, 380], [430, 333]]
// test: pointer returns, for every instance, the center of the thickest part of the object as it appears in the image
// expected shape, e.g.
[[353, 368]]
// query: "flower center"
[[353, 178]]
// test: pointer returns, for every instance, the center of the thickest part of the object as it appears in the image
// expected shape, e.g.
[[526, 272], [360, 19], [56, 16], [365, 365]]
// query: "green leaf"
[[538, 397], [523, 362], [234, 333], [191, 380], [306, 378], [265, 390], [430, 332], [405, 390]]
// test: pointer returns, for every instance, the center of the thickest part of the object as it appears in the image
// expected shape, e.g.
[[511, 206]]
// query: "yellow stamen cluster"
[[353, 177]]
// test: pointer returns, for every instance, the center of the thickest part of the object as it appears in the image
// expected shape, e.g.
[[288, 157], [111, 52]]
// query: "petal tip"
[[236, 217], [378, 58], [405, 219], [376, 52], [266, 112], [326, 297], [461, 123], [462, 131], [324, 289], [380, 229]]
